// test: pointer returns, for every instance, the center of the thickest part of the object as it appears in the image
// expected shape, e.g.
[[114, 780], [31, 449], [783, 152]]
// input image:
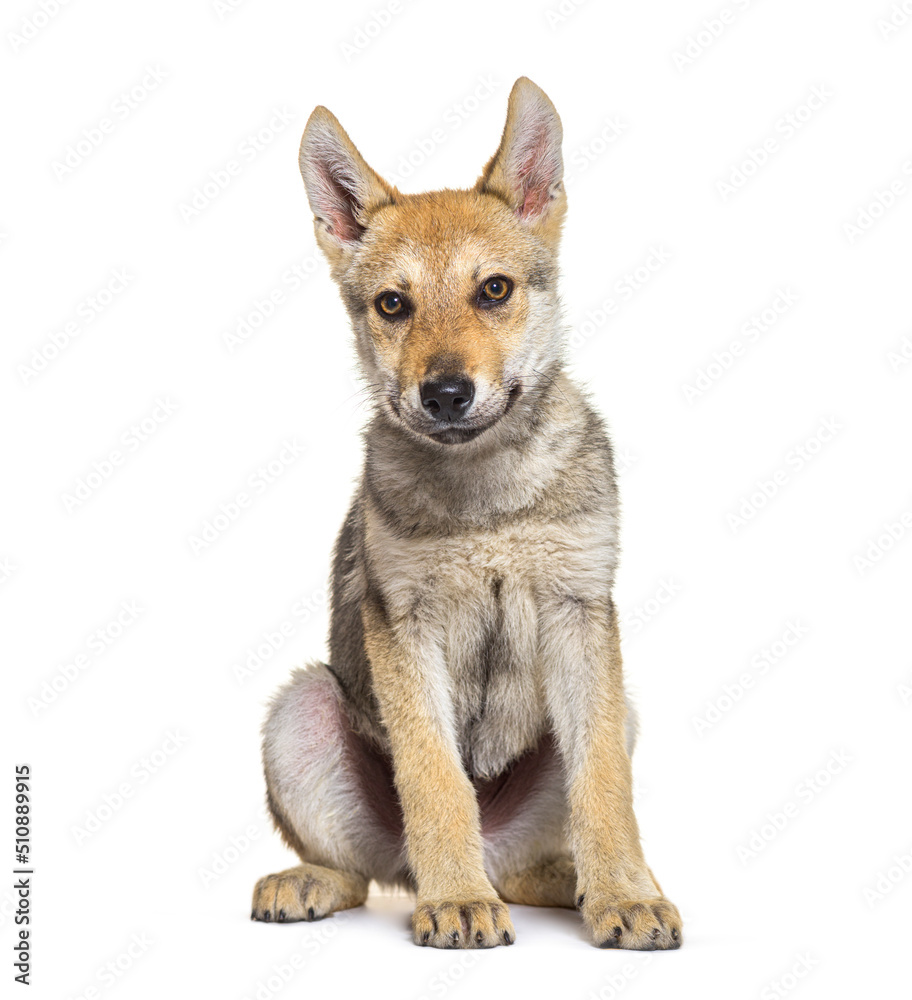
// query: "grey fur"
[[492, 559], [439, 496], [546, 473]]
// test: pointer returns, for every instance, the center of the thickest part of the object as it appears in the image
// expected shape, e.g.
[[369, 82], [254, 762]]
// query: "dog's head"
[[452, 294]]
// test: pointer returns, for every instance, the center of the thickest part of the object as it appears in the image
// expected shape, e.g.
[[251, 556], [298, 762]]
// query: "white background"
[[771, 826]]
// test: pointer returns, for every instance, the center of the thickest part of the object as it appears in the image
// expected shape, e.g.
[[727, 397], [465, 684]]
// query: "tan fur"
[[621, 902], [471, 738], [549, 883], [307, 892]]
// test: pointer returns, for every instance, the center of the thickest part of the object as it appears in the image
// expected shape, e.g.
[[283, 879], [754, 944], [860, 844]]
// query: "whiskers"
[[369, 396], [547, 381]]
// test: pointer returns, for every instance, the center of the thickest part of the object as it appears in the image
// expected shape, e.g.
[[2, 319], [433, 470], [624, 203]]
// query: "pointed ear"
[[527, 170], [342, 189]]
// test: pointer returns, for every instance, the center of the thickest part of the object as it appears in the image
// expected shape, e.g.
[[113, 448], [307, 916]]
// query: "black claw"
[[611, 942], [253, 914], [267, 917], [282, 915], [454, 937], [674, 933], [580, 899], [310, 913], [507, 938], [617, 932], [425, 937], [479, 936]]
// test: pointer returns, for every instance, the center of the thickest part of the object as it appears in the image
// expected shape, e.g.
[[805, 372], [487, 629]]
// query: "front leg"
[[457, 906], [621, 902]]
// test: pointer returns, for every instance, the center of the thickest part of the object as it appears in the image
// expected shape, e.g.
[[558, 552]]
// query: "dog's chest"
[[491, 644], [479, 596]]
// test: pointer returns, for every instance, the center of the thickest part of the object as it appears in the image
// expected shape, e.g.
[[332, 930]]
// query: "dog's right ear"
[[342, 189]]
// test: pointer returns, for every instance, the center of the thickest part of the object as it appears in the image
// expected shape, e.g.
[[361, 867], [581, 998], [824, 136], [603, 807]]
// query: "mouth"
[[461, 431], [458, 435]]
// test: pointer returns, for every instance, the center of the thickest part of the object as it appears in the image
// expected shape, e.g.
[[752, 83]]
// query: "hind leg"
[[546, 883], [331, 797], [307, 892]]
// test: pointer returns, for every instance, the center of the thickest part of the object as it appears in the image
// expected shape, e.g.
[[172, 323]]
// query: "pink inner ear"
[[337, 202], [536, 170], [535, 200]]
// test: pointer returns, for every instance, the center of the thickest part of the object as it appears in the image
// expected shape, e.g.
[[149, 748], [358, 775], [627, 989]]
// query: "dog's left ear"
[[527, 170]]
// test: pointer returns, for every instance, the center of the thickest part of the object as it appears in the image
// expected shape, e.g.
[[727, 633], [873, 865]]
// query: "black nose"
[[447, 398]]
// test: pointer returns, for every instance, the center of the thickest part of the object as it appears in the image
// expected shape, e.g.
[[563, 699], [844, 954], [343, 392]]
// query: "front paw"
[[636, 924], [473, 924]]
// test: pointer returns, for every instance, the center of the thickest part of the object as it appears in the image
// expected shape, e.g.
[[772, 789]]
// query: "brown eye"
[[496, 289], [391, 305]]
